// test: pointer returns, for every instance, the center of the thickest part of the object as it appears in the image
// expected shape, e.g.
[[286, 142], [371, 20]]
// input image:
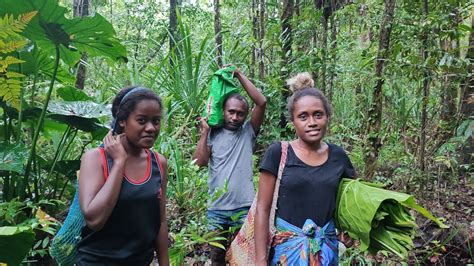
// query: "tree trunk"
[[450, 93], [333, 57], [218, 31], [297, 7], [466, 109], [302, 44], [261, 36], [361, 12], [426, 90], [81, 9], [286, 35], [375, 112], [448, 98], [254, 18], [366, 37], [324, 44], [328, 7], [173, 23], [286, 41], [467, 99]]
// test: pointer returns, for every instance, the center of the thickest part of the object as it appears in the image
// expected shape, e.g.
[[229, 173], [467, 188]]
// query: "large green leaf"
[[67, 168], [72, 94], [15, 242], [96, 36], [100, 133], [31, 114], [358, 212], [13, 157], [80, 114], [83, 109], [52, 127], [91, 125], [28, 112], [41, 62], [50, 28]]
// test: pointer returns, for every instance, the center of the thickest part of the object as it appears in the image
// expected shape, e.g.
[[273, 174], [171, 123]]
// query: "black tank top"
[[128, 236]]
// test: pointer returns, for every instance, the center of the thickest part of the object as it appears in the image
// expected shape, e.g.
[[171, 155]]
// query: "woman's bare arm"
[[161, 240], [264, 202], [98, 197]]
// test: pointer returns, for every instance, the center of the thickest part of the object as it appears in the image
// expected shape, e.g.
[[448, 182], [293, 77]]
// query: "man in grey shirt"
[[228, 151]]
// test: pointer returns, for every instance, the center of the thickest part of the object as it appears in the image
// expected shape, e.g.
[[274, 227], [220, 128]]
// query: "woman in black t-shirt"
[[122, 187], [308, 188]]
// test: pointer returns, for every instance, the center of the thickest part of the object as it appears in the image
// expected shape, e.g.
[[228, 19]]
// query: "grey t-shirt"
[[230, 167]]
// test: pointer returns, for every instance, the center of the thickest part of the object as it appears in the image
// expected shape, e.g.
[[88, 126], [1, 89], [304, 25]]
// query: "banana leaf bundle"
[[379, 218]]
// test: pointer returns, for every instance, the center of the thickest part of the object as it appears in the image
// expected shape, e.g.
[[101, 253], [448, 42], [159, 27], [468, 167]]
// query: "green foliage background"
[[48, 123]]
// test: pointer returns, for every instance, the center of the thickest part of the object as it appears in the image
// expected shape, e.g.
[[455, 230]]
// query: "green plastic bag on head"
[[222, 85]]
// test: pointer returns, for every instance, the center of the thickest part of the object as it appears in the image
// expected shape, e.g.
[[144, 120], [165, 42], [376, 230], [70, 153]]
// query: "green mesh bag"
[[222, 85], [63, 246]]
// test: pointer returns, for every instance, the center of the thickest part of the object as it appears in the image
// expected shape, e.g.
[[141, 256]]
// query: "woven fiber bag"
[[242, 249], [64, 244]]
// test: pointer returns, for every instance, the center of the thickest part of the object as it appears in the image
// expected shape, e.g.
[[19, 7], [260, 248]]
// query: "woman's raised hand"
[[114, 146]]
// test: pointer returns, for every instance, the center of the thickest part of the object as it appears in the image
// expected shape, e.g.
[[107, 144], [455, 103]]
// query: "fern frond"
[[11, 46], [9, 26], [10, 85], [27, 17], [9, 60], [11, 74], [10, 91]]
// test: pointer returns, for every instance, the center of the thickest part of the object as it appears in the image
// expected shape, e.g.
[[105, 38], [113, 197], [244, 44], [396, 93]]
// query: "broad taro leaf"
[[50, 28], [28, 112], [72, 94], [40, 61], [81, 115], [411, 203], [358, 202], [84, 109], [52, 128], [99, 134], [13, 157], [15, 243], [395, 231], [96, 36], [67, 168], [384, 239], [31, 114]]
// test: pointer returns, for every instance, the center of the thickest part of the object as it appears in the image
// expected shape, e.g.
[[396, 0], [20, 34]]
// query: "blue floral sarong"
[[311, 245]]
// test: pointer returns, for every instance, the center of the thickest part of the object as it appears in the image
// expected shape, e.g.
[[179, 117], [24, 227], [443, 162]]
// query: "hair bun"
[[300, 81]]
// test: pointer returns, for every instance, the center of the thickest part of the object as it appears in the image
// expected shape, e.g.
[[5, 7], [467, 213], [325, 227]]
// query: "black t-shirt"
[[307, 192]]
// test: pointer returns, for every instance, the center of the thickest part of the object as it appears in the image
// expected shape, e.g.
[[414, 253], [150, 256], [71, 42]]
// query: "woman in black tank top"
[[122, 187]]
